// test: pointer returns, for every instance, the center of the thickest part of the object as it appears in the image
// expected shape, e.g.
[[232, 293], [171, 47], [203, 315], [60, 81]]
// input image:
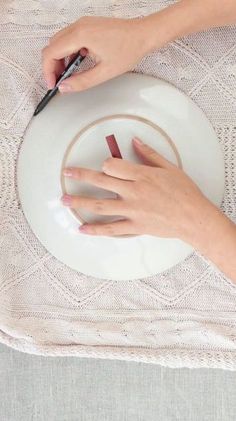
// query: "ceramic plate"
[[71, 131]]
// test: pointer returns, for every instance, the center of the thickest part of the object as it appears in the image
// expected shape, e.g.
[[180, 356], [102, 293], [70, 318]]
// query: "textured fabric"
[[72, 389], [182, 317]]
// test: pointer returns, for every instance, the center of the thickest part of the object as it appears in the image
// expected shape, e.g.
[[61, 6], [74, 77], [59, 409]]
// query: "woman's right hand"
[[116, 45]]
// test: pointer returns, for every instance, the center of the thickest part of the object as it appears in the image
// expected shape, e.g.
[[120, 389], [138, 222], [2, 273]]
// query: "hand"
[[156, 198], [116, 45]]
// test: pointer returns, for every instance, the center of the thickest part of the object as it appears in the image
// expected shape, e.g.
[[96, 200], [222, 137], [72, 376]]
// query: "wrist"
[[178, 20], [214, 236], [200, 218], [165, 26], [183, 18], [208, 227]]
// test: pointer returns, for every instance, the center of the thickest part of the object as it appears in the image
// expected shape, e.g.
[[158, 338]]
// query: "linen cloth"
[[185, 316], [34, 388]]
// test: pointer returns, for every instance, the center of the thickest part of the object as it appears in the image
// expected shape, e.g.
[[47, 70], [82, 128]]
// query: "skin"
[[155, 198]]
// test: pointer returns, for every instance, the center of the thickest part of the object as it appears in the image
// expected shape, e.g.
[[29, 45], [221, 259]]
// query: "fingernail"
[[83, 228], [138, 141], [50, 83], [83, 52], [50, 86], [68, 172], [64, 87], [66, 200]]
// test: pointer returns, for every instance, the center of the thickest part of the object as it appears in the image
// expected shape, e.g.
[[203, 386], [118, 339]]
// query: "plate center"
[[89, 149]]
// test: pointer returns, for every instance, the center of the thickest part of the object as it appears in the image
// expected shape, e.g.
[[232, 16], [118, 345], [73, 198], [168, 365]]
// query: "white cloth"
[[185, 316]]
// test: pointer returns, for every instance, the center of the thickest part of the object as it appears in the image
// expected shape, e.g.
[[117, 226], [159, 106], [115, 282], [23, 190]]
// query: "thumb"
[[85, 80], [149, 156]]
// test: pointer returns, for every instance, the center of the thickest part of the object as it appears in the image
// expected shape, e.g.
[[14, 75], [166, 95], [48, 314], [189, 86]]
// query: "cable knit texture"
[[185, 316]]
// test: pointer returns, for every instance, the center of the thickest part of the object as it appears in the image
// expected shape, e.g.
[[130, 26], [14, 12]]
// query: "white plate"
[[70, 131]]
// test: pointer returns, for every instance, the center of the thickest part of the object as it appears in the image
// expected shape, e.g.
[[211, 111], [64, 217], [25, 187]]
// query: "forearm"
[[214, 236], [186, 17]]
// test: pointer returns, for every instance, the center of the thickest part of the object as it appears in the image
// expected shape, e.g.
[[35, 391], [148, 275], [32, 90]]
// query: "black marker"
[[67, 73]]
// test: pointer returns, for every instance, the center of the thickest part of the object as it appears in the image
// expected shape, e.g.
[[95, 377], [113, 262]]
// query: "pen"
[[67, 72]]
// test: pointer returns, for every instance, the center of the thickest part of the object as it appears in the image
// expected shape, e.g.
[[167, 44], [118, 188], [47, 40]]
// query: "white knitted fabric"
[[185, 316]]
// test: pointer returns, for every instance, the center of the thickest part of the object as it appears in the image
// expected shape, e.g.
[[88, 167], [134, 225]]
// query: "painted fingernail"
[[66, 200], [68, 172], [64, 87], [138, 141]]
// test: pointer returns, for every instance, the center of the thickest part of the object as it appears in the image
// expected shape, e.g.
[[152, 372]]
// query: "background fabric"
[[182, 317], [73, 389]]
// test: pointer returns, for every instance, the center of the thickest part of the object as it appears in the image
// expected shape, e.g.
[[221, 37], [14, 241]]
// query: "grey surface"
[[70, 389]]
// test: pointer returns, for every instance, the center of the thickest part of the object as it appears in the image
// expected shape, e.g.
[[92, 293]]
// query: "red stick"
[[113, 146]]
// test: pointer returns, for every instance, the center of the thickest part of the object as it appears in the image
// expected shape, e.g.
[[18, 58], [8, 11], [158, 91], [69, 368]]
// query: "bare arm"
[[186, 17], [214, 235]]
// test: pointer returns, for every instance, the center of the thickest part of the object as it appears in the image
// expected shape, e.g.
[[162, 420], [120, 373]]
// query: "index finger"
[[96, 178], [57, 51]]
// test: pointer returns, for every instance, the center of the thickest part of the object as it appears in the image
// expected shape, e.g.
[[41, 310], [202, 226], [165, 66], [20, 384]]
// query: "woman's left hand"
[[156, 198]]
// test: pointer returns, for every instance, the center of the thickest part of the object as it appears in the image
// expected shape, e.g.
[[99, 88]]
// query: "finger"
[[83, 52], [114, 229], [97, 178], [122, 169], [149, 156], [53, 72], [59, 67], [51, 76], [86, 79], [62, 46], [64, 63], [72, 56], [55, 52], [97, 206]]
